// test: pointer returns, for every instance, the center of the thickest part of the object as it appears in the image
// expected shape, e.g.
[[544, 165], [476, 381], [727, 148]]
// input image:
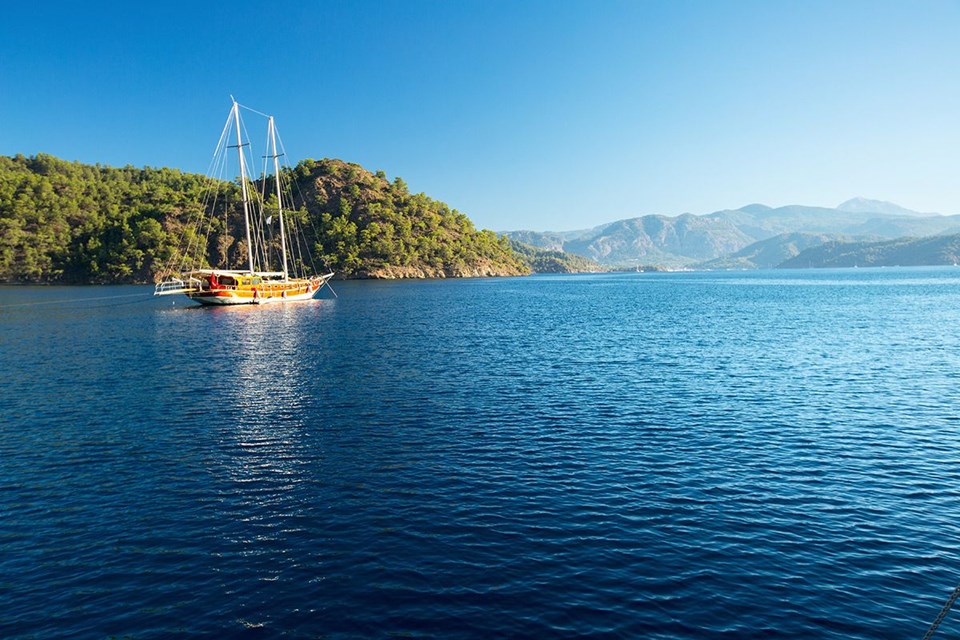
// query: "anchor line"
[[943, 613]]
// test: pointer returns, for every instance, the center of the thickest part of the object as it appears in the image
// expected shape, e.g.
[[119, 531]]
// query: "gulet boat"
[[293, 281]]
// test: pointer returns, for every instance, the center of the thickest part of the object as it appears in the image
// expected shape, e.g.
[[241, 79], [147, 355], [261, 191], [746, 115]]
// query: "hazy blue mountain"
[[901, 226], [936, 250], [769, 253], [546, 240], [541, 260], [660, 239], [690, 239], [756, 209], [554, 240], [865, 205], [793, 219], [647, 240]]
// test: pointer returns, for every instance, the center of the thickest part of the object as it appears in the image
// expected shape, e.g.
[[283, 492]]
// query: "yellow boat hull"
[[262, 293]]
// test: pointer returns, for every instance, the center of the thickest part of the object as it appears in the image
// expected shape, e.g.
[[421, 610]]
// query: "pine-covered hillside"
[[75, 223], [368, 226]]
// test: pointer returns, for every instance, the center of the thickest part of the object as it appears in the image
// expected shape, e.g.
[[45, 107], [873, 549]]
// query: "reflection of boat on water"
[[257, 284]]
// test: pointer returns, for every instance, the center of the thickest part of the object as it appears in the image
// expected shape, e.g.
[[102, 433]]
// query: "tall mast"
[[243, 184], [276, 180]]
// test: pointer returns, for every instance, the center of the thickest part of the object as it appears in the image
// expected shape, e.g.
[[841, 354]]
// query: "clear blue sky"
[[540, 115]]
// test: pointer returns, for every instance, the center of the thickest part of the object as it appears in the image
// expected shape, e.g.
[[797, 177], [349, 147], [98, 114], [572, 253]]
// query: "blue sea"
[[769, 454]]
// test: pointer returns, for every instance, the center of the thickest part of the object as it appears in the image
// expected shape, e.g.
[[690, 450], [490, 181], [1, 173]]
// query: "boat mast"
[[276, 179], [243, 184]]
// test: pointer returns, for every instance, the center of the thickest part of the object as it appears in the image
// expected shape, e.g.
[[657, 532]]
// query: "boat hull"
[[264, 293]]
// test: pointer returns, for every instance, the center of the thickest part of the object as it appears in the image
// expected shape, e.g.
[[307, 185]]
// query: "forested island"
[[69, 222]]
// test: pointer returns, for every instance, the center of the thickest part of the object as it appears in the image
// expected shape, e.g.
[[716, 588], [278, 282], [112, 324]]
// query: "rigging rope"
[[197, 230], [298, 240], [61, 301], [943, 613], [210, 190]]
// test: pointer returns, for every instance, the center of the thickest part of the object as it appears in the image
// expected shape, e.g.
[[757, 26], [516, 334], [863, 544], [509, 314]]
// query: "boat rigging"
[[290, 276]]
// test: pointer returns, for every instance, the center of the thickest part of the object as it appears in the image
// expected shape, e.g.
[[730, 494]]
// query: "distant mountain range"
[[865, 205], [753, 236], [903, 252], [540, 260]]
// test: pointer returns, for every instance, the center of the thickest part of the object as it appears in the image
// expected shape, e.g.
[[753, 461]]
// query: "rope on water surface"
[[943, 613], [78, 300]]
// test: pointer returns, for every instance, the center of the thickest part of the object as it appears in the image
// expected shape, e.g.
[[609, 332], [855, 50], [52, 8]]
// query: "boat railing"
[[172, 285]]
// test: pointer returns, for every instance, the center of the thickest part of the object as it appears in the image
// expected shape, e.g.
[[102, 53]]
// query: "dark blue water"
[[746, 455]]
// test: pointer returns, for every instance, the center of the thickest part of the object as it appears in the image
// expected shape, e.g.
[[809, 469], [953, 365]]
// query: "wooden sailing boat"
[[257, 284]]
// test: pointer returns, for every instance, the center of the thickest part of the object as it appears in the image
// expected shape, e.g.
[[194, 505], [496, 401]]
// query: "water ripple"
[[634, 455]]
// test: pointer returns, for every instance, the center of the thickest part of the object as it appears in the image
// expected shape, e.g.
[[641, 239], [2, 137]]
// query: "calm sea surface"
[[737, 455]]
